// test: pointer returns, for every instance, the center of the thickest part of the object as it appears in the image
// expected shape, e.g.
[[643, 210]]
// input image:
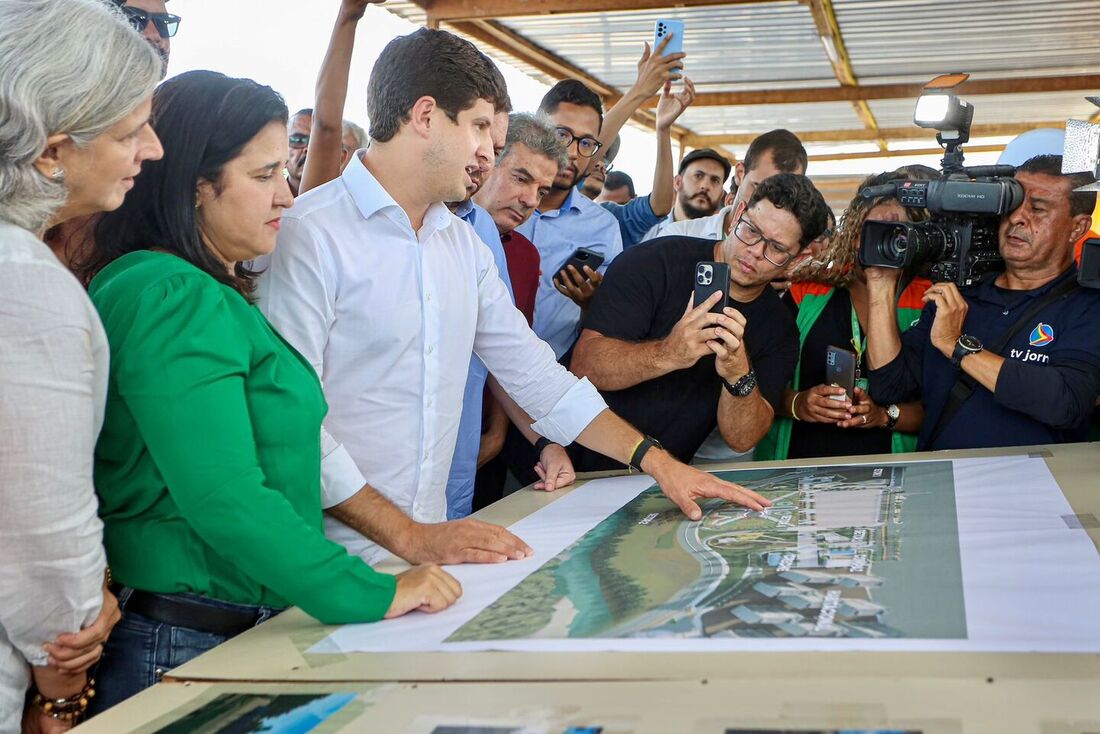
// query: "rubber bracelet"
[[793, 401]]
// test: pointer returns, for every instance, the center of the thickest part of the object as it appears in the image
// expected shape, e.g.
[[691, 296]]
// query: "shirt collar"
[[571, 203], [370, 197], [466, 210], [990, 291]]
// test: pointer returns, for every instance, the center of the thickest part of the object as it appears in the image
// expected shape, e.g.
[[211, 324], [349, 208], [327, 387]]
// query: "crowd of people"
[[245, 354]]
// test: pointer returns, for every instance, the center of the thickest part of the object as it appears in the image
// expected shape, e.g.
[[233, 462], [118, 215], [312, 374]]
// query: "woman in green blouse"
[[209, 464]]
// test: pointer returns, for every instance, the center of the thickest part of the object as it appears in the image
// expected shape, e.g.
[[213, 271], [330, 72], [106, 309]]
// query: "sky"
[[282, 42]]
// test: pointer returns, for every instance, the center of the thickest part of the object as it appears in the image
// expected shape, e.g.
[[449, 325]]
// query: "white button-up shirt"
[[389, 317]]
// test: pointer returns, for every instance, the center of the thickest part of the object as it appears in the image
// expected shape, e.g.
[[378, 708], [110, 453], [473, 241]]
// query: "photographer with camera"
[[1015, 359]]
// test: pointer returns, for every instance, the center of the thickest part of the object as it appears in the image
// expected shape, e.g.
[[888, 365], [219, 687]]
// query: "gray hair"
[[66, 66], [360, 135], [536, 132]]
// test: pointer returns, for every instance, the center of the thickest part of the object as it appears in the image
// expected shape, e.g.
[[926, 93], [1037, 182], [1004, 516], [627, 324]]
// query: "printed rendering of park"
[[864, 551]]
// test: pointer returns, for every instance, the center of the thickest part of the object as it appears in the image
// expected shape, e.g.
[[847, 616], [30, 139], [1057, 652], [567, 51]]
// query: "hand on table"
[[554, 468], [686, 485], [427, 588], [466, 541]]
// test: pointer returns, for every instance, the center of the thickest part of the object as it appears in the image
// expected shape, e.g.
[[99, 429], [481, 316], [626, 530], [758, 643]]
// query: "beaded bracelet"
[[69, 709]]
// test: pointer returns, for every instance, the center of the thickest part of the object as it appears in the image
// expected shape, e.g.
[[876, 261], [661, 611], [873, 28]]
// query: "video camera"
[[960, 241], [1081, 154]]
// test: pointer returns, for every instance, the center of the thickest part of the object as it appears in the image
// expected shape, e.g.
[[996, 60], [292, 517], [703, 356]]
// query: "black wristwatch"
[[640, 452], [744, 386], [965, 345], [541, 444]]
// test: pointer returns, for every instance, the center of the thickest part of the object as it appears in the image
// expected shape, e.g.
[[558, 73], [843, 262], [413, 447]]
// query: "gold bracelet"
[[71, 709], [793, 400]]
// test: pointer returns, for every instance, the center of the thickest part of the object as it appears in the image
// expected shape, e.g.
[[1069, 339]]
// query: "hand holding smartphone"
[[840, 371], [668, 27], [712, 277], [581, 257]]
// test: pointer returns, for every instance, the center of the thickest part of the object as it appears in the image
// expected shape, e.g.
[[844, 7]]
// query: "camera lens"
[[895, 245]]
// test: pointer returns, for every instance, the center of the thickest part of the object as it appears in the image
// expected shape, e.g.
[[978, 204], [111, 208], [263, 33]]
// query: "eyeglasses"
[[166, 23], [299, 140], [774, 252], [586, 146]]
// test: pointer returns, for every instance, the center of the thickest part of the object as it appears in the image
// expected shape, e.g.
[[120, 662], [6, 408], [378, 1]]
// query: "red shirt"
[[524, 268]]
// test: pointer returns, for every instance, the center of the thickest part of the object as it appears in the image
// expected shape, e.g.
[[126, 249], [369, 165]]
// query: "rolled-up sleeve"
[[340, 477], [561, 404]]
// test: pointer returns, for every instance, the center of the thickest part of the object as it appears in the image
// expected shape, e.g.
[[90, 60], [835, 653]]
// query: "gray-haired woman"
[[75, 89]]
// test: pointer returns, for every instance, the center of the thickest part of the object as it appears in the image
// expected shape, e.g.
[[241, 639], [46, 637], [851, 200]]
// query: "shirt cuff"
[[340, 477], [571, 414]]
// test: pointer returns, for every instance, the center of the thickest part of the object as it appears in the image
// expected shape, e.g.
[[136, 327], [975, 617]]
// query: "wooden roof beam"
[[508, 41], [864, 135], [458, 10], [1027, 85], [900, 153], [832, 41]]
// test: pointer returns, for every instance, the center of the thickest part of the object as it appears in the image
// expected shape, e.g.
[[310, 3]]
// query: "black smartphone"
[[711, 277], [840, 371], [582, 256]]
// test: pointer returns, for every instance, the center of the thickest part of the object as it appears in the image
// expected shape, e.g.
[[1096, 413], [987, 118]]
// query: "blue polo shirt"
[[635, 218], [580, 222], [460, 483], [1046, 389]]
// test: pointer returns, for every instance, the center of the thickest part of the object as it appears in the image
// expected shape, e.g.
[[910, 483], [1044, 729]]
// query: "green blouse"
[[208, 467]]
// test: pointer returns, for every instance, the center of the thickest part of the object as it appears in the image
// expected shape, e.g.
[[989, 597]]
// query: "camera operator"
[[1038, 380]]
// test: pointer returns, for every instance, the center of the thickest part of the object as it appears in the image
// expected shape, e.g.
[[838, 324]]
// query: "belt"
[[195, 615]]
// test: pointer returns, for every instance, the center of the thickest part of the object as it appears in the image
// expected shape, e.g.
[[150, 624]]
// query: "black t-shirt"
[[642, 298], [832, 328]]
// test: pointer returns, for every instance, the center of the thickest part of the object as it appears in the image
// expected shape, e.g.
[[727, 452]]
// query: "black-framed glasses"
[[774, 252], [299, 140], [586, 146], [166, 23]]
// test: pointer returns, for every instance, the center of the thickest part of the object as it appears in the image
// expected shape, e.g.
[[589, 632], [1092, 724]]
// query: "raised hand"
[[671, 105], [654, 68]]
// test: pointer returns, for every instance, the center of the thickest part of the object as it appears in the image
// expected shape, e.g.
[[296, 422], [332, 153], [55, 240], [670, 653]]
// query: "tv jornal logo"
[[1041, 335]]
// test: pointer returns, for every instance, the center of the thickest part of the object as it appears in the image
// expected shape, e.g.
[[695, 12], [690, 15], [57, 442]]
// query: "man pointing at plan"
[[387, 294]]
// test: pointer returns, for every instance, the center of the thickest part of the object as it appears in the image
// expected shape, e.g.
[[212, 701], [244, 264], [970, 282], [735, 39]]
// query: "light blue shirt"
[[635, 218], [557, 234], [460, 482]]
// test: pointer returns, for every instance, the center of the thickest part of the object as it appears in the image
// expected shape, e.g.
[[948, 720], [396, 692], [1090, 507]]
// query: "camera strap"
[[965, 386]]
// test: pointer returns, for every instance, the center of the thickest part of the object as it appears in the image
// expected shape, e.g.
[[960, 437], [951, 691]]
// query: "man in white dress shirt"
[[387, 294]]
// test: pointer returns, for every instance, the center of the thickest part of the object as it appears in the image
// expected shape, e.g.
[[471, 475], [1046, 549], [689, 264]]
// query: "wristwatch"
[[965, 345], [893, 413], [744, 386], [641, 450]]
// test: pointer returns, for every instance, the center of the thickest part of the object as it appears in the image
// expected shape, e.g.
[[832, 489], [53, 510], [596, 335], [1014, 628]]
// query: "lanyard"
[[858, 342]]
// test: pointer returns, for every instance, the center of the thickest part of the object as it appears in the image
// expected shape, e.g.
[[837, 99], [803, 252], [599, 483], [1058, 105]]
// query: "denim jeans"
[[141, 650]]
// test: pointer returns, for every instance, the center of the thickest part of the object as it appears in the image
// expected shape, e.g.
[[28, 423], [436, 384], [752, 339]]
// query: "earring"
[[57, 173]]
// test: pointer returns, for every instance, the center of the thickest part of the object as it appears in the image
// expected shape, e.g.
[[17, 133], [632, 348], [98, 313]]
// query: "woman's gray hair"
[[537, 133], [66, 66]]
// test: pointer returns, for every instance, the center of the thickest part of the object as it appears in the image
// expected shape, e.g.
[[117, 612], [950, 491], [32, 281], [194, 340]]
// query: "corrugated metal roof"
[[775, 45], [759, 118], [914, 40], [994, 108], [755, 46]]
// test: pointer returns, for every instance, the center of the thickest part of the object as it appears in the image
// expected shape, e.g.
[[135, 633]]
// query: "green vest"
[[774, 446]]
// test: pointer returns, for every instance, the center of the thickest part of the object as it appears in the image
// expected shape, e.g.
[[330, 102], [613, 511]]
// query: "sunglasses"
[[166, 23], [299, 140]]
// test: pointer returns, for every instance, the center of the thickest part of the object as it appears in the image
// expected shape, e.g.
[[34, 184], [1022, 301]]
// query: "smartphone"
[[665, 26], [581, 257], [711, 277], [840, 371]]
